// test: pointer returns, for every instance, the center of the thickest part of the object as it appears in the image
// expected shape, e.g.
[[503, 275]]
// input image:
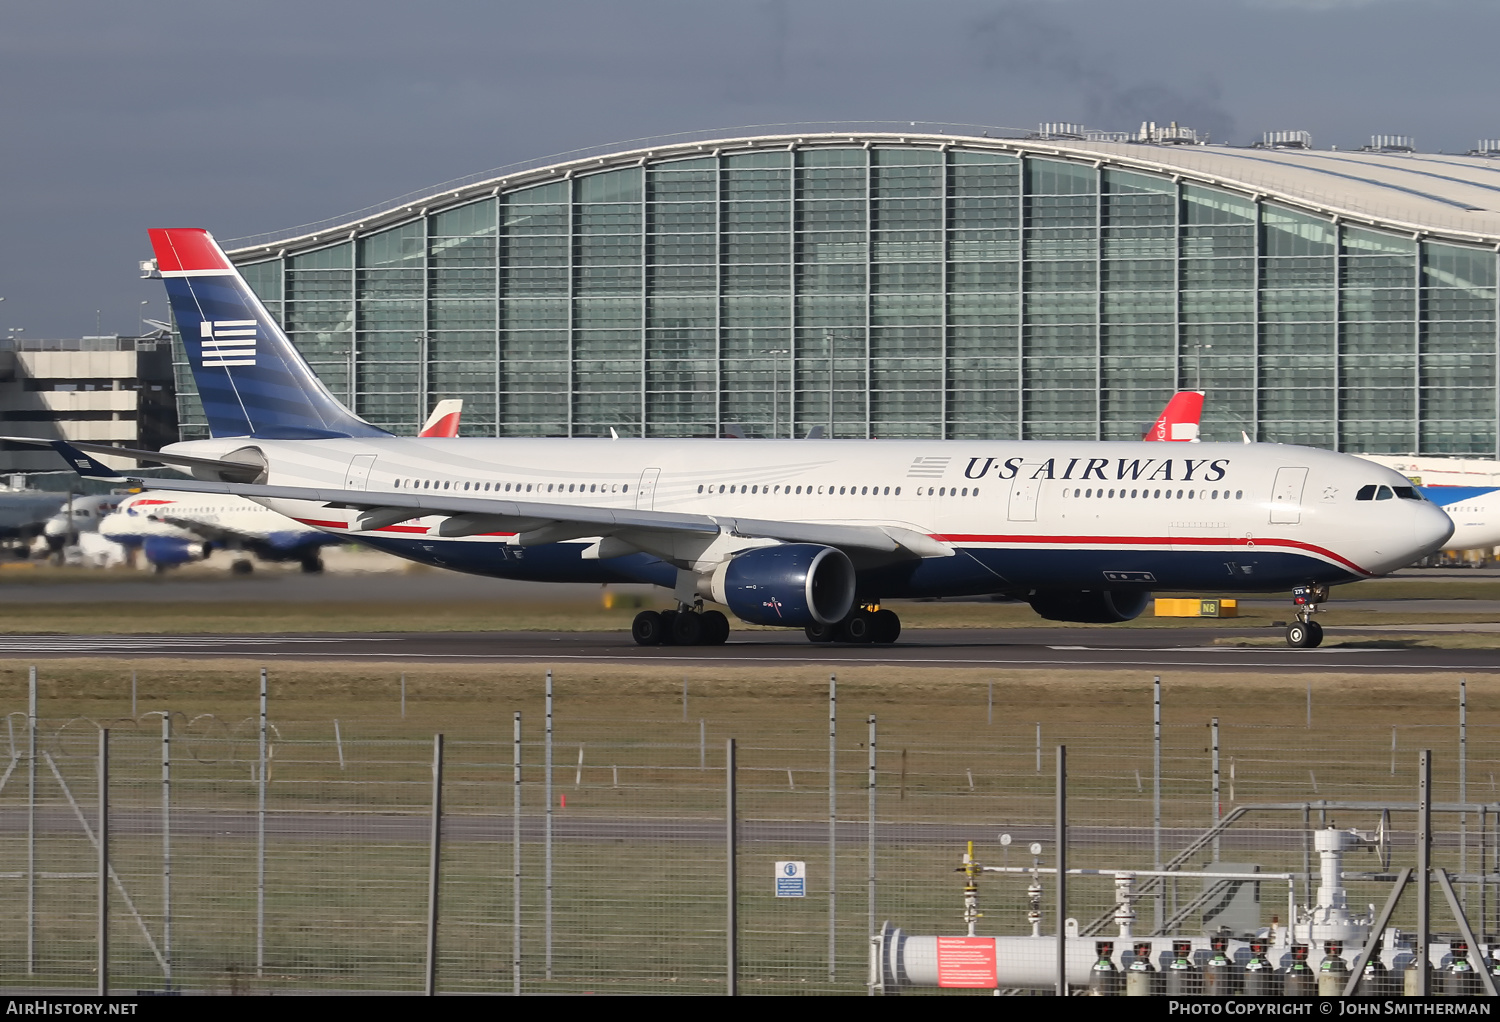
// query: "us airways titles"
[[1203, 470]]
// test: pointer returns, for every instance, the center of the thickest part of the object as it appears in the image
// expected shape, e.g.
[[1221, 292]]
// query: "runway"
[[1021, 648]]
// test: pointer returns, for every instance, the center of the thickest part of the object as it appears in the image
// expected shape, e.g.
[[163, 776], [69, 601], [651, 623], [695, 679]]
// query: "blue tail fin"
[[252, 381]]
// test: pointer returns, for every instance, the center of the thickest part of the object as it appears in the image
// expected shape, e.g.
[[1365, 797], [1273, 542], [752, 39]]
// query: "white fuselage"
[[1425, 471], [1019, 514], [195, 516]]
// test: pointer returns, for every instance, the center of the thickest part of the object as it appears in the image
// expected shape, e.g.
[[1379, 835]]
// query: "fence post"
[[103, 885], [434, 863], [1218, 805], [166, 846], [833, 845], [260, 839], [870, 836], [547, 836], [731, 848], [31, 823], [515, 865], [1156, 796], [1062, 870], [1424, 869], [1463, 783]]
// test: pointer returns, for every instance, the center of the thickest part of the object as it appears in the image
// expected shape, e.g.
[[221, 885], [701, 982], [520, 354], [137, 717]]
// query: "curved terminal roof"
[[1429, 194]]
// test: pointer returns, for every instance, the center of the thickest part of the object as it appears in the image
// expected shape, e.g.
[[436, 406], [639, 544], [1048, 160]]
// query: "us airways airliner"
[[809, 534]]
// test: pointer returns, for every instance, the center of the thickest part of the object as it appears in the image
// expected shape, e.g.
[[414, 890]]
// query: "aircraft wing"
[[537, 522]]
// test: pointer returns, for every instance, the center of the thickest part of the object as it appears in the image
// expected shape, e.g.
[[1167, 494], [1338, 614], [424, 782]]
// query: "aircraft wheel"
[[688, 630], [669, 628], [242, 567], [647, 629], [312, 565], [819, 633], [857, 627], [715, 628], [887, 626], [1304, 634]]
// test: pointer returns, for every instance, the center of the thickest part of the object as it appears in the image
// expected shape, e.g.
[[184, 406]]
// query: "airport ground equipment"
[[1303, 958]]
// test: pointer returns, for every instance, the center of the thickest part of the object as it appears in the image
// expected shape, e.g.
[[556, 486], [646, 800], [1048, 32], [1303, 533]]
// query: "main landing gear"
[[687, 626], [1304, 632], [867, 624]]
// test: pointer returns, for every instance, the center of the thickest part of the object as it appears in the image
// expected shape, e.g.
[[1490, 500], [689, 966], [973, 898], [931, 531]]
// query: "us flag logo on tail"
[[228, 342]]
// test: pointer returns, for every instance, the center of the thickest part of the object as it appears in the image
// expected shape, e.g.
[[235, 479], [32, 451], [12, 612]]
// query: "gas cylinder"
[[1333, 974], [1260, 975], [1460, 979], [1182, 977], [1104, 979], [1377, 980], [1299, 980], [1221, 977], [1140, 976]]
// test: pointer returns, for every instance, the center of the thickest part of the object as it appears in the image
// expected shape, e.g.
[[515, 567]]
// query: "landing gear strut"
[[868, 623], [687, 626], [1303, 632]]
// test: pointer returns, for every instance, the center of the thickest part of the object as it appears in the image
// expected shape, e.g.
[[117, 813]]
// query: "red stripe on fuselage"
[[1157, 541], [318, 523]]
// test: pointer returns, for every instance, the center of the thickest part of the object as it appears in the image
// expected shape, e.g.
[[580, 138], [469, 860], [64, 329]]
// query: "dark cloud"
[[1033, 43], [246, 118]]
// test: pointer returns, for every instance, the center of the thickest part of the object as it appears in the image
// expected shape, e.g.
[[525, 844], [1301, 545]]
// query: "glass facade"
[[895, 290]]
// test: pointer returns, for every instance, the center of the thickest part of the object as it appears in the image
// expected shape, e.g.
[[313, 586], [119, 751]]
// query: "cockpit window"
[[1384, 493], [1366, 493], [1407, 492]]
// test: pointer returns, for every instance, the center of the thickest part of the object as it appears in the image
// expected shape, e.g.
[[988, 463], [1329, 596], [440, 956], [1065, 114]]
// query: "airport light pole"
[[776, 391]]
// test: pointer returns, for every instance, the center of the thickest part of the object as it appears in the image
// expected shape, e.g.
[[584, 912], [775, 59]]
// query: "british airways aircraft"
[[171, 528], [809, 534]]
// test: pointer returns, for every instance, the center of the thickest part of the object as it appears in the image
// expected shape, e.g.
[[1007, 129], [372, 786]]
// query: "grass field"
[[957, 747]]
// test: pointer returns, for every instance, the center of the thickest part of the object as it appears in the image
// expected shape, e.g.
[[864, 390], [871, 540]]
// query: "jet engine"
[[794, 584], [1090, 606], [166, 551]]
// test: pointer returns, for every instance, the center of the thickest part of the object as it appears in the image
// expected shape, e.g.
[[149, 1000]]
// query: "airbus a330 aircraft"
[[808, 534]]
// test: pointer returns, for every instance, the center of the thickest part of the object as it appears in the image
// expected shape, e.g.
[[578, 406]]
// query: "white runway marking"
[[137, 643]]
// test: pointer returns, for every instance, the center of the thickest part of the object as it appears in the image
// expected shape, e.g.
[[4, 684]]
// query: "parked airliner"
[[809, 534], [173, 527]]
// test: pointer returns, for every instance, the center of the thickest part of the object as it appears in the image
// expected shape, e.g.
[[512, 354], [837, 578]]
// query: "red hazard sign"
[[966, 962]]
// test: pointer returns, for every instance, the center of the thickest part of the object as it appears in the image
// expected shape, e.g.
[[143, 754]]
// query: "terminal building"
[[883, 284], [108, 390]]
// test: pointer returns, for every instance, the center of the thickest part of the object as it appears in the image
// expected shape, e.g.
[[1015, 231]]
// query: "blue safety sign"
[[791, 880]]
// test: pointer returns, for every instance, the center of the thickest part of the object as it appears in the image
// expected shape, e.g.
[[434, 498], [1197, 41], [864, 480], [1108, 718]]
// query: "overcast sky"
[[245, 117]]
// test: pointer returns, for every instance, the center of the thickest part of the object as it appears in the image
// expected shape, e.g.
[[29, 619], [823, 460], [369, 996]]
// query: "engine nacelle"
[[794, 584], [1090, 606], [165, 550]]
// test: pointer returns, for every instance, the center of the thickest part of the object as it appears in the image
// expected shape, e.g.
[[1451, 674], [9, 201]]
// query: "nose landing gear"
[[1304, 632], [868, 623]]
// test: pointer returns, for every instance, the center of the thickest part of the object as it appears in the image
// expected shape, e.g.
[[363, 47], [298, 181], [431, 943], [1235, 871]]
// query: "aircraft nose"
[[1430, 529]]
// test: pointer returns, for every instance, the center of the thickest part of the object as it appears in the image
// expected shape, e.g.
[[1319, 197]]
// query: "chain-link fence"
[[262, 854]]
